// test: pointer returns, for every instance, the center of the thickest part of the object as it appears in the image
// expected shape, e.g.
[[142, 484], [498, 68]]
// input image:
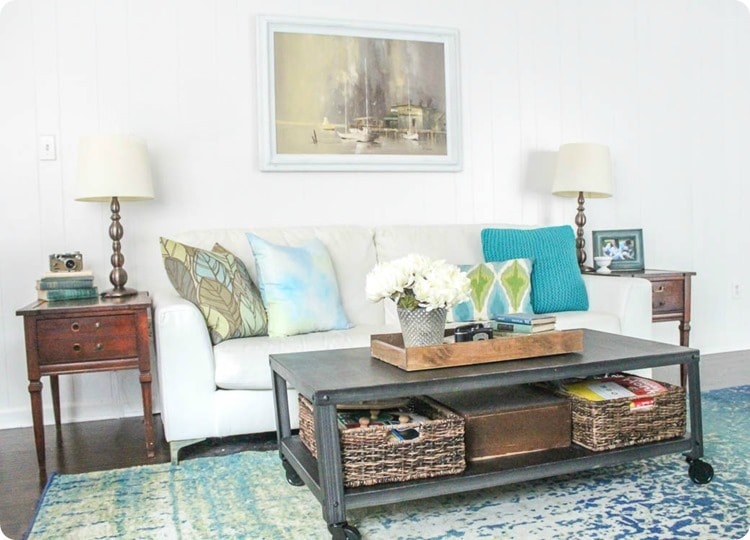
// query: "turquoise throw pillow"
[[556, 282], [298, 286], [496, 288]]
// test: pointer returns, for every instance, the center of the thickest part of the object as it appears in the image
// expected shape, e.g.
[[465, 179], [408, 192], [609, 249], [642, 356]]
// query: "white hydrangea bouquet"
[[416, 281]]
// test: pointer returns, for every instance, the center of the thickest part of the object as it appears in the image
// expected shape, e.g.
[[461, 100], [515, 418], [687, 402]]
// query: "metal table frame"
[[328, 378]]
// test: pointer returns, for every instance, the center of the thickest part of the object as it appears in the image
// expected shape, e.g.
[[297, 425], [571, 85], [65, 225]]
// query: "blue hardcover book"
[[67, 294], [522, 328], [525, 318], [51, 284]]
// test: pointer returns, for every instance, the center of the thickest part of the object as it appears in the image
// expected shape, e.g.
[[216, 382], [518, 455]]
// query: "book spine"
[[517, 328], [68, 294], [51, 284]]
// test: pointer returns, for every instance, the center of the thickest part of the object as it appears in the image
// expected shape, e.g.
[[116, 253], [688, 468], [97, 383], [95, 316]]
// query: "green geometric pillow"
[[220, 285], [496, 288]]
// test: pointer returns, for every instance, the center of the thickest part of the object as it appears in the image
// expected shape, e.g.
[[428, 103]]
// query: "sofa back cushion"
[[351, 248], [456, 244]]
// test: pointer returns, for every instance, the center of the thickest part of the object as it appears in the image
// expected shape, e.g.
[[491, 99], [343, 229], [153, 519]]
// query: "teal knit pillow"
[[556, 282], [497, 288]]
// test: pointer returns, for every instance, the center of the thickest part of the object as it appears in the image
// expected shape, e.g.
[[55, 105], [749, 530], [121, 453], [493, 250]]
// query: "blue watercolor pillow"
[[299, 287], [556, 283], [496, 288]]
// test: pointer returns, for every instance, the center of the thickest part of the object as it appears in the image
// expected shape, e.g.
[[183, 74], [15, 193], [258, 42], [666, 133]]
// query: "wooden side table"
[[83, 336], [670, 300]]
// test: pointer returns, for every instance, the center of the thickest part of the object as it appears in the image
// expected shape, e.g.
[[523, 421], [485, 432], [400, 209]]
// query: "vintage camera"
[[472, 332], [66, 262]]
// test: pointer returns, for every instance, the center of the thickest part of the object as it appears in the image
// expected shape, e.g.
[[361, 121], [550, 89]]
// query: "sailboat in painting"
[[362, 134], [411, 134]]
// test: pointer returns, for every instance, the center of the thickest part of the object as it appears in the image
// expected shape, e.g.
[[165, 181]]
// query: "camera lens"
[[70, 264]]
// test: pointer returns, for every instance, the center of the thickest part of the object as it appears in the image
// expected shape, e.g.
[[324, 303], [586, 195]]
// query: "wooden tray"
[[390, 348]]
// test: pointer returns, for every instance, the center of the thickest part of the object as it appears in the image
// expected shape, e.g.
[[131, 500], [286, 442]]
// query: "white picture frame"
[[357, 96]]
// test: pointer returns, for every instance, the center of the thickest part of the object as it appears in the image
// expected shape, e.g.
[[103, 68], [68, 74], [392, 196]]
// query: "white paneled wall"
[[666, 84]]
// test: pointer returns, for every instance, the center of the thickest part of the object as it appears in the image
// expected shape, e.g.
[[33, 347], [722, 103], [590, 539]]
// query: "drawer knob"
[[659, 289], [97, 324], [75, 327], [77, 347], [99, 346]]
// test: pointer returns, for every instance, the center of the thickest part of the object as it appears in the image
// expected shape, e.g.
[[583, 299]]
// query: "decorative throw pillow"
[[299, 287], [556, 283], [496, 288], [220, 285]]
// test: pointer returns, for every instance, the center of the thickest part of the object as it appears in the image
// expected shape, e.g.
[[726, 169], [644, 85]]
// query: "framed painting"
[[625, 247], [356, 96]]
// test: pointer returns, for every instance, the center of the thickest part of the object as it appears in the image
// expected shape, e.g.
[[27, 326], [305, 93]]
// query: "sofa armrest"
[[627, 298], [185, 363]]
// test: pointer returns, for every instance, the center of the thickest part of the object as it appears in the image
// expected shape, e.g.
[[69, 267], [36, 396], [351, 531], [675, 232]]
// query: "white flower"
[[417, 281]]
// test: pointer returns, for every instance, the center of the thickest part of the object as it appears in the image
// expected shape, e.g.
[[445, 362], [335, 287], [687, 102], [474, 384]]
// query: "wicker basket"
[[615, 423], [371, 456]]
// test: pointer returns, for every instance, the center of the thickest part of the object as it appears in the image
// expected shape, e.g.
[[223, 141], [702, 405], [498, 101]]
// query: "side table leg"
[[148, 417], [55, 387], [35, 392]]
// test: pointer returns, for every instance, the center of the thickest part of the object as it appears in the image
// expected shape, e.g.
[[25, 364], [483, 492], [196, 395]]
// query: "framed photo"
[[624, 246], [356, 96]]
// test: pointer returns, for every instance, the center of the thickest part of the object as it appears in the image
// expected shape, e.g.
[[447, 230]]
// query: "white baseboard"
[[21, 417]]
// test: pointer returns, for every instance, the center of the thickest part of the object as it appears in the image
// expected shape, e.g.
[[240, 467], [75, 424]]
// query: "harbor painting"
[[343, 97]]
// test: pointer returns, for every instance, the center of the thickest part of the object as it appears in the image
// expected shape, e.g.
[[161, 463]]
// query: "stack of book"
[[524, 323], [56, 286]]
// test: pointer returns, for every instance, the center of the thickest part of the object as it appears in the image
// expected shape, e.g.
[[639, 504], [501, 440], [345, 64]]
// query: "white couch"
[[217, 391]]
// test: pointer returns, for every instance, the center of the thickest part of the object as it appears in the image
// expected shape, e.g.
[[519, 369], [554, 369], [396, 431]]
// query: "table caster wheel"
[[291, 475], [699, 471], [344, 531]]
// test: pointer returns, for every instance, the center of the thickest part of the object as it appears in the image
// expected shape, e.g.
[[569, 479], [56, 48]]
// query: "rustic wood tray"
[[390, 348]]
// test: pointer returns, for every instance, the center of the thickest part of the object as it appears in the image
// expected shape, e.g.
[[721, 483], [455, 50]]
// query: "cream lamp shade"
[[584, 170], [114, 168], [583, 167]]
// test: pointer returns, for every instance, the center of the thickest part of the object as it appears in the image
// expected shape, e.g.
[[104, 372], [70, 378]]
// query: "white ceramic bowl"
[[602, 264]]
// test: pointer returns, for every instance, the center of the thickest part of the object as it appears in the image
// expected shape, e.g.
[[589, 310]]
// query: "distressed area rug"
[[246, 496]]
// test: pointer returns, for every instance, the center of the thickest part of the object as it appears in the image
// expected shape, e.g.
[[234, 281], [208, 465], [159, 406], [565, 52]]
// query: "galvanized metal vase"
[[421, 327]]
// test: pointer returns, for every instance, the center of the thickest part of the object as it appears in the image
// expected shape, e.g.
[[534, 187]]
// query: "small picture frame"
[[625, 246]]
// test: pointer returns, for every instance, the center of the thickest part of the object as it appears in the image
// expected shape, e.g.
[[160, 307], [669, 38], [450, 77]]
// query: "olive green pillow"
[[220, 285]]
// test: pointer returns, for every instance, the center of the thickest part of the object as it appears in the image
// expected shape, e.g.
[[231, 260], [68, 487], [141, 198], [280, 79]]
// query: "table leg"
[[684, 342], [696, 415], [281, 408], [148, 417], [55, 387], [329, 465], [35, 392]]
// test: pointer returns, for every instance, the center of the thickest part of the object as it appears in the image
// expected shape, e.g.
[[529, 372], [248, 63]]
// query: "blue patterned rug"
[[245, 495]]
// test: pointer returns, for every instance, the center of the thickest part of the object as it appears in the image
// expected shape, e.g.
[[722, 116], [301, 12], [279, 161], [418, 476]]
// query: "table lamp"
[[114, 168], [584, 170]]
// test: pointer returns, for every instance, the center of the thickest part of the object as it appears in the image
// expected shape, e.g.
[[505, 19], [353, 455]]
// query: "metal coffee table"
[[328, 378]]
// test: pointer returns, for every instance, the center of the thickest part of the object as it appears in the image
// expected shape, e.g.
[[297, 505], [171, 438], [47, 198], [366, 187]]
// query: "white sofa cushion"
[[242, 364], [454, 244]]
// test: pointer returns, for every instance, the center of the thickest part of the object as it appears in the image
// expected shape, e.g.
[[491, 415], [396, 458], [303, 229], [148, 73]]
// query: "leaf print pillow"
[[220, 285]]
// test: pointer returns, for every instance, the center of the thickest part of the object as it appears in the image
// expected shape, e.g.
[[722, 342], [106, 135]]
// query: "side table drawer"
[[668, 296], [78, 339]]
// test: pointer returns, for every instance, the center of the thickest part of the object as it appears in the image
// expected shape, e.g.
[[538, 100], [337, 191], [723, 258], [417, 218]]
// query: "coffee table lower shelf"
[[478, 475]]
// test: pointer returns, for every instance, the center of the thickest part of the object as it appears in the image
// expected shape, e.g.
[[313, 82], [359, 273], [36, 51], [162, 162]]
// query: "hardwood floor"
[[111, 444]]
